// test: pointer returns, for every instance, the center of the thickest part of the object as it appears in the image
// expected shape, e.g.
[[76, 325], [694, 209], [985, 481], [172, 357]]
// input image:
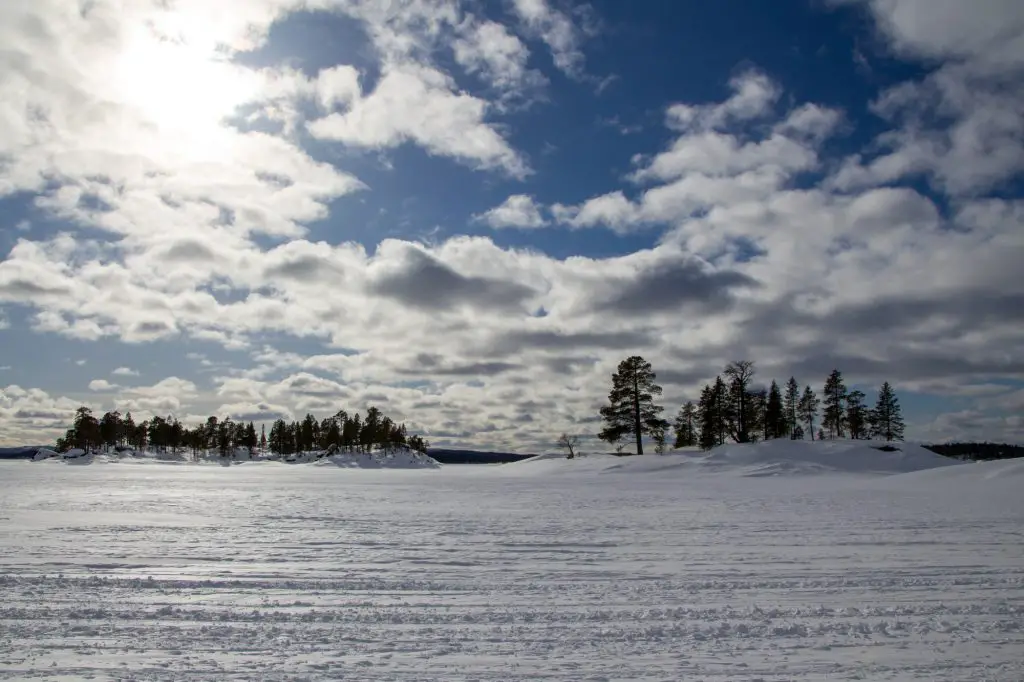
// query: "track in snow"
[[179, 573]]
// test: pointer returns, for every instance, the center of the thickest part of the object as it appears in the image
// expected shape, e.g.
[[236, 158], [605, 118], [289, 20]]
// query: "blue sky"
[[467, 213]]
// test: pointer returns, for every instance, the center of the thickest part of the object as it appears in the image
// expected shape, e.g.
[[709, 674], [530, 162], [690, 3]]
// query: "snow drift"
[[770, 458]]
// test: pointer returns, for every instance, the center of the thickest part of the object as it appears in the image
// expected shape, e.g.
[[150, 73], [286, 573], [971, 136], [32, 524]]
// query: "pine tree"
[[834, 415], [740, 373], [887, 417], [708, 437], [757, 402], [723, 414], [856, 415], [808, 408], [631, 407], [791, 406], [775, 422], [686, 426]]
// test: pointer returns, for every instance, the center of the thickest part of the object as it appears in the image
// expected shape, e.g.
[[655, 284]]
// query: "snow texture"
[[683, 567]]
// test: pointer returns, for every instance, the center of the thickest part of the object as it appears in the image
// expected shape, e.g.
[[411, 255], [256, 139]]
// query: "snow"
[[770, 458], [671, 567]]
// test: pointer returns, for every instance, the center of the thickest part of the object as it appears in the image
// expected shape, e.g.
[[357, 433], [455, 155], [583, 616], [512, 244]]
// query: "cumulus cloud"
[[415, 103], [204, 240], [519, 210]]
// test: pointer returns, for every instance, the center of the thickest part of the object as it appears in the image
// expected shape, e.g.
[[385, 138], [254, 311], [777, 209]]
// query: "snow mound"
[[785, 457], [44, 453], [773, 458], [391, 458]]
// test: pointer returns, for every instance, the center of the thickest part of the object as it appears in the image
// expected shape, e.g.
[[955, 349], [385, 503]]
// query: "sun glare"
[[181, 86]]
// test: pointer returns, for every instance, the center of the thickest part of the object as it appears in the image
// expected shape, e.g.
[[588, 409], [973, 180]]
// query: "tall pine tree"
[[740, 373], [834, 415], [887, 417], [856, 415], [791, 406], [808, 408], [631, 407], [775, 424], [686, 426], [707, 411]]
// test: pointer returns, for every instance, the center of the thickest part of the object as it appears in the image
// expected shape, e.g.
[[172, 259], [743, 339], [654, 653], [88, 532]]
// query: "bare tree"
[[568, 443]]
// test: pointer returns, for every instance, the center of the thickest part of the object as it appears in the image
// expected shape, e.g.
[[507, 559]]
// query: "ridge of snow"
[[768, 458]]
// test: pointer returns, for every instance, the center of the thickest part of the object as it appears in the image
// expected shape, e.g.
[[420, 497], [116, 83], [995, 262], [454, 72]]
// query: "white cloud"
[[518, 210], [557, 29], [490, 50], [415, 103], [125, 372], [464, 335], [962, 126], [102, 386]]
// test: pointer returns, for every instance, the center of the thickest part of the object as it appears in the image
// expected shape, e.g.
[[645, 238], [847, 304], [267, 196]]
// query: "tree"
[[740, 373], [631, 407], [86, 430], [856, 415], [686, 426], [568, 443], [659, 441], [808, 408], [775, 423], [887, 417], [791, 406], [834, 416], [757, 402]]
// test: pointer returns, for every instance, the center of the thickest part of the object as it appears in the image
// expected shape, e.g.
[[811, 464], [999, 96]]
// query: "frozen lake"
[[273, 572]]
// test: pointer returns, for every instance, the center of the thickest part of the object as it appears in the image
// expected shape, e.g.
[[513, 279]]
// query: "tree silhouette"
[[631, 407]]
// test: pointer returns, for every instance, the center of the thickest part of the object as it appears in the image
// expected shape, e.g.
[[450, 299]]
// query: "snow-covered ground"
[[683, 567]]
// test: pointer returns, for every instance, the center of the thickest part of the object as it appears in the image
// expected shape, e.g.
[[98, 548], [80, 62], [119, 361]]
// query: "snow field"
[[696, 571]]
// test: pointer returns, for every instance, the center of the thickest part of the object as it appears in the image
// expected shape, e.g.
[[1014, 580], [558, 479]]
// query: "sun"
[[182, 84]]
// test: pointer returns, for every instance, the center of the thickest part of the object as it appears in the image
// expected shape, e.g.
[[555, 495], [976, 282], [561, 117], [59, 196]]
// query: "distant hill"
[[452, 456], [26, 452]]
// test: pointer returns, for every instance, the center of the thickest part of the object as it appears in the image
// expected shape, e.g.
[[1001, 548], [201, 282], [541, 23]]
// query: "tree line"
[[731, 408], [341, 431]]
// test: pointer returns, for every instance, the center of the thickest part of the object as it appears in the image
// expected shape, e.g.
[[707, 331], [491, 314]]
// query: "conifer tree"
[[808, 408], [706, 416], [856, 415], [887, 417], [740, 373], [776, 425], [791, 405], [834, 415], [686, 426], [631, 407], [723, 414]]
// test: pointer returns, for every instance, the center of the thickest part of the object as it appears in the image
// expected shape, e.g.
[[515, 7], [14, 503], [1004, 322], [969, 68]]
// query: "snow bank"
[[771, 458], [44, 453], [395, 458]]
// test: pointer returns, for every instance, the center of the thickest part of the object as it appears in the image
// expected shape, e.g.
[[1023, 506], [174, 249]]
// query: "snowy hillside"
[[771, 458]]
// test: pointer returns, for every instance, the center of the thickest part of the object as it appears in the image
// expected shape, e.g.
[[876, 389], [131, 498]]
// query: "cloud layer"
[[191, 224]]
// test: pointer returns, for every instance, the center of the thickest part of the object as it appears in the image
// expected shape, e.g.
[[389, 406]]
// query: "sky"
[[467, 213]]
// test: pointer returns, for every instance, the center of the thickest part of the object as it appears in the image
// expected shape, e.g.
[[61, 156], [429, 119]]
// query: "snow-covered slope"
[[400, 458], [771, 458]]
